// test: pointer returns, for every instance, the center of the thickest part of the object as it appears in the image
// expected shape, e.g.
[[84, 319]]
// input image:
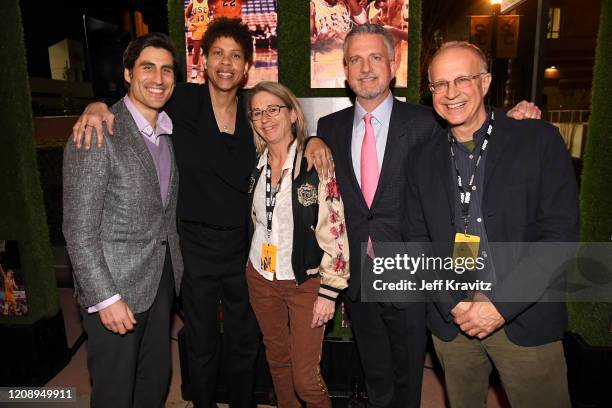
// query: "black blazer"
[[215, 168], [530, 195], [409, 125]]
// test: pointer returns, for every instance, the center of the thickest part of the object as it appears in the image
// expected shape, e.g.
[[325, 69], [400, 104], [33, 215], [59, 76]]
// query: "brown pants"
[[531, 376], [293, 349]]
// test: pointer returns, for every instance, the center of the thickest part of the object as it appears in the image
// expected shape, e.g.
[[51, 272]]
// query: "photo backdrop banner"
[[331, 20]]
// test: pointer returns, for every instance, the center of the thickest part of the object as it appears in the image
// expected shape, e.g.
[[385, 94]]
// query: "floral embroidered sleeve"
[[331, 236]]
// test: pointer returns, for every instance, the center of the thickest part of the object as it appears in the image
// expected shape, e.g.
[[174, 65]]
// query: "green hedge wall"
[[592, 320], [176, 30], [21, 205]]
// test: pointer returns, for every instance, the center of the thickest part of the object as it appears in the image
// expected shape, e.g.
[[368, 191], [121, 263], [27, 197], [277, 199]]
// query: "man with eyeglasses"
[[483, 179]]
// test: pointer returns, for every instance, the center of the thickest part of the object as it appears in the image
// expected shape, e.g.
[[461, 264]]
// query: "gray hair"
[[368, 28], [464, 45]]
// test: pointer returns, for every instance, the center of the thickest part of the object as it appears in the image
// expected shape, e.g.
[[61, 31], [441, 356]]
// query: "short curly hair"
[[230, 28]]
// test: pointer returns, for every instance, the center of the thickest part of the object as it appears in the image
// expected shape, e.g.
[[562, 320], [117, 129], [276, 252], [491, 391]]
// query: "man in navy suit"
[[487, 178], [391, 337]]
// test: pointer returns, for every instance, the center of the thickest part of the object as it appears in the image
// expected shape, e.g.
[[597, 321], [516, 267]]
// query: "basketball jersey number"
[[231, 3], [201, 13]]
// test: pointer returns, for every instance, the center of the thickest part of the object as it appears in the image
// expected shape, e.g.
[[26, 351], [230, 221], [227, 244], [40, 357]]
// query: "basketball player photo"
[[260, 16], [331, 20]]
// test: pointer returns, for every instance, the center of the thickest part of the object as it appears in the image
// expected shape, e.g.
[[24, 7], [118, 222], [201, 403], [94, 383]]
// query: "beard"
[[370, 92]]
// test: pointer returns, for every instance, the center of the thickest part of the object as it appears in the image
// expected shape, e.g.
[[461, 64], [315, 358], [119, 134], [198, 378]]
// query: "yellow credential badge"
[[268, 257], [466, 246]]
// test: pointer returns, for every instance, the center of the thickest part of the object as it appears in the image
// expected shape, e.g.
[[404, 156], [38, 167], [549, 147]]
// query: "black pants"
[[215, 262], [391, 344], [133, 370]]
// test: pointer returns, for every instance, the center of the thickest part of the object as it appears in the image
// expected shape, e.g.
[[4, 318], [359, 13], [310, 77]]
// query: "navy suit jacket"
[[529, 195], [409, 125]]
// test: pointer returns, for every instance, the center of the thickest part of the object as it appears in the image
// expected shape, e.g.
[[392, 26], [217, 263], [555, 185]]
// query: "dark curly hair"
[[231, 28]]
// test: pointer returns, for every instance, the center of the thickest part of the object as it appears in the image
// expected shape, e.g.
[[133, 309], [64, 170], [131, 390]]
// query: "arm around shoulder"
[[93, 118]]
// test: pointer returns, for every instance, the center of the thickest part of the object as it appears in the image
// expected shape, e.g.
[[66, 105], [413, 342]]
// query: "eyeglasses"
[[271, 111], [461, 82]]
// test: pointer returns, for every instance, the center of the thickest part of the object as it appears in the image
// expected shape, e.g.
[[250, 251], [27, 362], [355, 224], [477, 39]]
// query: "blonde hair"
[[299, 127]]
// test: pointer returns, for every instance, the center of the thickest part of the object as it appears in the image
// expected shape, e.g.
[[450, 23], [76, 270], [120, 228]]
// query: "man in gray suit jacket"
[[120, 229]]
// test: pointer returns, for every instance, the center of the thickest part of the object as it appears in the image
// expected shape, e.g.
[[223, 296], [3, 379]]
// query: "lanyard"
[[271, 197], [466, 191]]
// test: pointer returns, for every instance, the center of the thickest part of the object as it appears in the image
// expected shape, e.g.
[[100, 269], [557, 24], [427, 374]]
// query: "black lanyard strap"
[[271, 196], [465, 192]]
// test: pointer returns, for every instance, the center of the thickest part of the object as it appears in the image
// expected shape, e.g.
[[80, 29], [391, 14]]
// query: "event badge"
[[268, 257], [466, 246]]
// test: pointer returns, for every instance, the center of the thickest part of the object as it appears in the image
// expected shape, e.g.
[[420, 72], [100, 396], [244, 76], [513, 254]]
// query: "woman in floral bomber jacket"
[[298, 261]]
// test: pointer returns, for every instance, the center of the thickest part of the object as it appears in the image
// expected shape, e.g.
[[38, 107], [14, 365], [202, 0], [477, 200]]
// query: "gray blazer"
[[115, 224]]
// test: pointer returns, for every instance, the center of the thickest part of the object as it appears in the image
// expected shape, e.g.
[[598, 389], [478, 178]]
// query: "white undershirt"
[[282, 220]]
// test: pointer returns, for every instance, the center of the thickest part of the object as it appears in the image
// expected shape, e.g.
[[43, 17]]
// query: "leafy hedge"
[[176, 30], [21, 205], [592, 320]]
